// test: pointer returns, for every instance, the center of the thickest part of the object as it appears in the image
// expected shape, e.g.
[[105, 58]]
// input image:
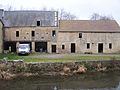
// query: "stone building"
[[37, 28], [44, 33], [88, 36]]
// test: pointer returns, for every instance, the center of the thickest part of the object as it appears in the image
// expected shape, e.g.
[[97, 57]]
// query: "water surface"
[[91, 81]]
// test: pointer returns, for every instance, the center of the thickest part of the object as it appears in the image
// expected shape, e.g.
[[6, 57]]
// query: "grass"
[[65, 58]]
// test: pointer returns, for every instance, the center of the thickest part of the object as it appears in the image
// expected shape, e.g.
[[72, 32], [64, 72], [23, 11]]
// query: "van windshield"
[[23, 47]]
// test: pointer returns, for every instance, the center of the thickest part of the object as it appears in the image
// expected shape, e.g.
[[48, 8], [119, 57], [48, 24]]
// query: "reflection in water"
[[118, 88], [55, 88], [91, 81]]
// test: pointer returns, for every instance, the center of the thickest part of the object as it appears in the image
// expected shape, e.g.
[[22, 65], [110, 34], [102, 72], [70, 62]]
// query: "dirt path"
[[45, 55]]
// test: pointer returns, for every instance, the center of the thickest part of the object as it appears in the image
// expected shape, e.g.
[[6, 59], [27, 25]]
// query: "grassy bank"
[[57, 58]]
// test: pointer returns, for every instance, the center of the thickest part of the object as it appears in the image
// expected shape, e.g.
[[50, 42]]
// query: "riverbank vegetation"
[[38, 57]]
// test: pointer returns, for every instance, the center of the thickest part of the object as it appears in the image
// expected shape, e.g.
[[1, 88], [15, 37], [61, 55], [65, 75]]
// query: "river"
[[90, 81]]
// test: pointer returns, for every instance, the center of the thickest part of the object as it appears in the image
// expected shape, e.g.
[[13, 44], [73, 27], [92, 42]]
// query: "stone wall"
[[25, 33], [93, 38], [44, 34], [41, 34], [13, 69], [1, 37]]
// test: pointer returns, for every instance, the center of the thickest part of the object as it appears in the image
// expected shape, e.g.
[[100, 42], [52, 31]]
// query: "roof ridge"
[[29, 11], [87, 20]]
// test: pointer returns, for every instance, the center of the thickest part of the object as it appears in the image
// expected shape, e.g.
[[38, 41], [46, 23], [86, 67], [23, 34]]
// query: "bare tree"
[[106, 18], [9, 8], [63, 15], [96, 16], [44, 9]]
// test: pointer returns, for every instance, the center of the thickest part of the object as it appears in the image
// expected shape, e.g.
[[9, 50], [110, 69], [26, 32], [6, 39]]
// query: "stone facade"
[[1, 36], [89, 43], [57, 40], [25, 33], [32, 35]]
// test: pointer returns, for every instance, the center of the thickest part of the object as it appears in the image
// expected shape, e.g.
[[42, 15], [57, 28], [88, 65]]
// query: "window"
[[63, 46], [17, 33], [38, 23], [33, 33], [110, 45], [53, 33], [88, 45], [80, 35]]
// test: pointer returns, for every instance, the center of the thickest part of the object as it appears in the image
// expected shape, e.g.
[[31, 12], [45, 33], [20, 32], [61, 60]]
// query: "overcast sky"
[[83, 9]]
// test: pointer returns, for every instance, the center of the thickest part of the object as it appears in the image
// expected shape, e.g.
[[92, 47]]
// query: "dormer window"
[[38, 23]]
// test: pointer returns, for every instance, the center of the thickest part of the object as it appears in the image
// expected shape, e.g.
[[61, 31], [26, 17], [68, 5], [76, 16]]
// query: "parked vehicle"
[[23, 49]]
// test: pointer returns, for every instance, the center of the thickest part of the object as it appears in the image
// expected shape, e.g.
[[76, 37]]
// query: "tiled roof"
[[89, 25], [28, 18]]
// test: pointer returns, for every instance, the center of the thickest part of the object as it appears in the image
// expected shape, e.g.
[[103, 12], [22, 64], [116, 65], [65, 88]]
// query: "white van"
[[23, 49]]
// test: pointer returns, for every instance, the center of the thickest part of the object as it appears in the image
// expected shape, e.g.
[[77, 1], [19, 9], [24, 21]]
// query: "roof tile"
[[89, 25]]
